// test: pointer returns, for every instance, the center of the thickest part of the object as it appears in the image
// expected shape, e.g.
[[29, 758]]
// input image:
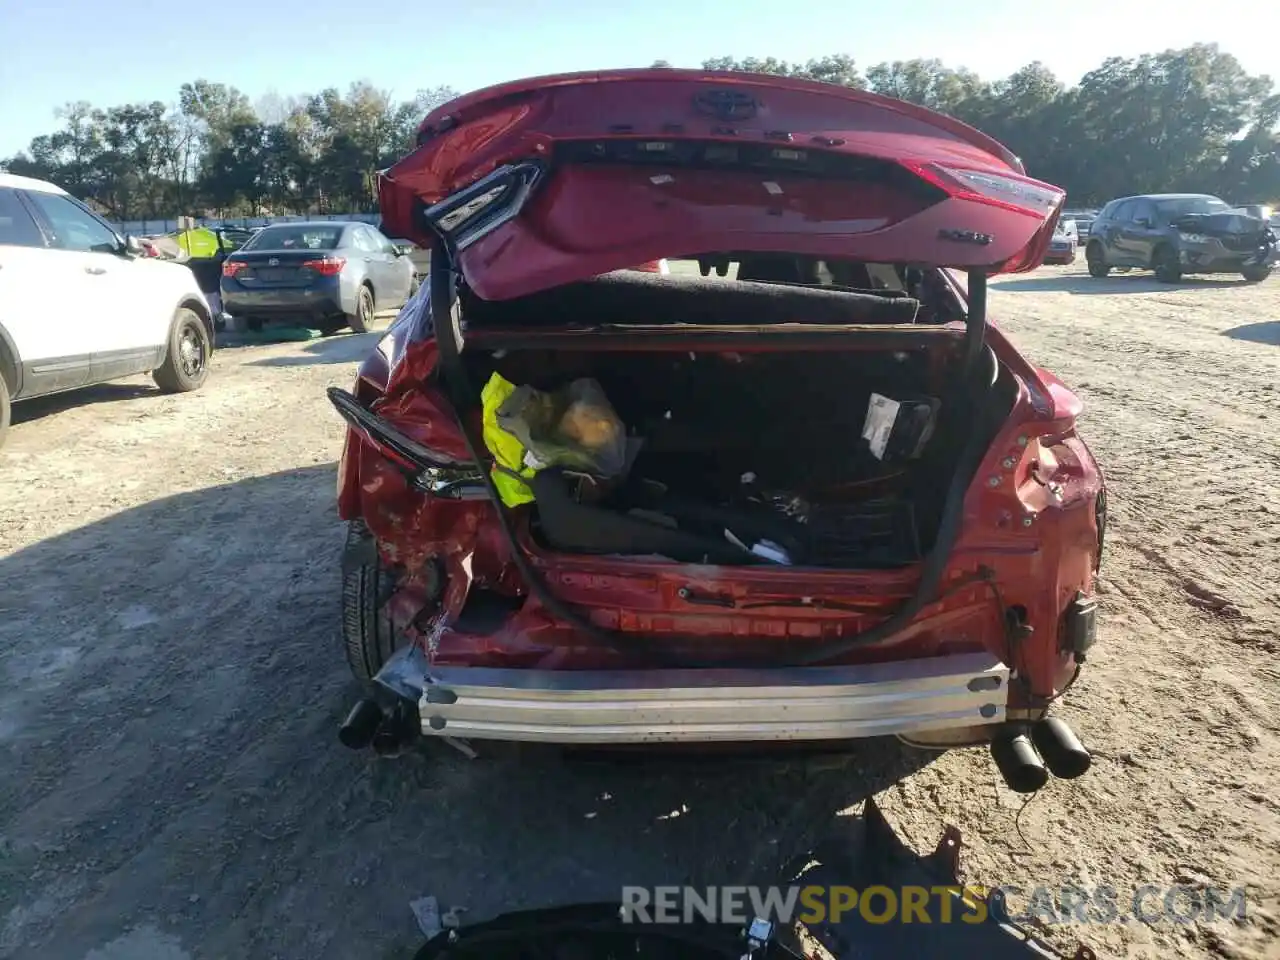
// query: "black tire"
[[367, 635], [1096, 258], [4, 410], [362, 319], [1256, 274], [1166, 266], [186, 361]]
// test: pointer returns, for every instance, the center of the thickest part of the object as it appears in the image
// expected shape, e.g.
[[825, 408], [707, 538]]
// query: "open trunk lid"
[[547, 181]]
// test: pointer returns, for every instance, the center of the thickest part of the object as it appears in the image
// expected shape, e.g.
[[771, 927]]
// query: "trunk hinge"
[[976, 320]]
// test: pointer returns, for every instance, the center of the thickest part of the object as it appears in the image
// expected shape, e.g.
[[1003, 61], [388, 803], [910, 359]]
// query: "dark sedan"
[[325, 274]]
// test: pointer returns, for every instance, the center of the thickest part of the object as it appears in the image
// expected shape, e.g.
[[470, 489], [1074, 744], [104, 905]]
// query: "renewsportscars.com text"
[[969, 904]]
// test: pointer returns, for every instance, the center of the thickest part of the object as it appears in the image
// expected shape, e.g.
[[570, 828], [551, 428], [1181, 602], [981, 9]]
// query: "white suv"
[[79, 304]]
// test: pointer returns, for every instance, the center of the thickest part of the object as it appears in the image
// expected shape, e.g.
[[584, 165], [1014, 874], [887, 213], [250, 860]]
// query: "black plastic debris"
[[870, 855]]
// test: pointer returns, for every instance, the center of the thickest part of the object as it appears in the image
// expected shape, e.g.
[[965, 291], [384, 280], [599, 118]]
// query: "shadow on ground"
[[26, 410], [1117, 283], [1267, 332], [169, 767], [343, 348]]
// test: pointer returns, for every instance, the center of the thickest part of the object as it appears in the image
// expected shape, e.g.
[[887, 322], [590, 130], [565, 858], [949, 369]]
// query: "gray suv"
[[1178, 233]]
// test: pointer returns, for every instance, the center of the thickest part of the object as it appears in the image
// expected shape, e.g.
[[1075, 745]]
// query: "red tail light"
[[326, 266], [1006, 190], [654, 266], [231, 267]]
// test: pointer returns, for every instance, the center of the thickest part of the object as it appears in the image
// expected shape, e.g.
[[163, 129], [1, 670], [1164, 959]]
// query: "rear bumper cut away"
[[656, 706]]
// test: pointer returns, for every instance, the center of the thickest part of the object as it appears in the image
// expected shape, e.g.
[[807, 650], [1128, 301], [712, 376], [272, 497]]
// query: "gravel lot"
[[171, 680]]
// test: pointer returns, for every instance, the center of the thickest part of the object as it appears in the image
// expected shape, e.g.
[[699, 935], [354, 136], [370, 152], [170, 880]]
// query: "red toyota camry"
[[795, 487]]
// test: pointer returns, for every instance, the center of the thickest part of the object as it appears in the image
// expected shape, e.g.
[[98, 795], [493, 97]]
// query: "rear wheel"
[[368, 638], [1257, 273], [1097, 260], [1166, 265], [186, 362], [362, 319]]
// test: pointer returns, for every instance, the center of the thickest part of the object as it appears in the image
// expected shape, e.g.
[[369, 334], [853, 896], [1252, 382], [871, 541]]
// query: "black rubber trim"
[[948, 532], [797, 337], [10, 363], [55, 374]]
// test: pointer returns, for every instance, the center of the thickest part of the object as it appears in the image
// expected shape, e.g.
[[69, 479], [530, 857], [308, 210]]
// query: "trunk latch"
[[689, 595]]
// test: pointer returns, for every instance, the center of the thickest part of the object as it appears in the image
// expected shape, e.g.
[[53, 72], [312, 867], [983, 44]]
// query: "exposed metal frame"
[[701, 705]]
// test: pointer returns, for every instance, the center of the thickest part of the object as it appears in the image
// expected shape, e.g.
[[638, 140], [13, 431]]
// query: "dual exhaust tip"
[[1025, 756], [368, 725]]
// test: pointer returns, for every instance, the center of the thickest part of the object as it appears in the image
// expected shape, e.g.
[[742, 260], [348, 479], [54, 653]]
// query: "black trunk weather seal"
[[793, 337], [447, 315]]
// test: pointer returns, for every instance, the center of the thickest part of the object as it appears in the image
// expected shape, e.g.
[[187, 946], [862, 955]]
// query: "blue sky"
[[131, 50]]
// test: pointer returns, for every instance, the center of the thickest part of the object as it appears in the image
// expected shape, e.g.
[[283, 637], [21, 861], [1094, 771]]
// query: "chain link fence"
[[156, 228]]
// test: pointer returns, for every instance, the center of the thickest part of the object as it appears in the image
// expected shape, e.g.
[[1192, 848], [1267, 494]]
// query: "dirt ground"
[[171, 681]]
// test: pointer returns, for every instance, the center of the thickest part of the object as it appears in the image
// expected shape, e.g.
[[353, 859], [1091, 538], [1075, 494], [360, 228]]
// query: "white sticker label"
[[881, 415], [662, 178], [772, 187]]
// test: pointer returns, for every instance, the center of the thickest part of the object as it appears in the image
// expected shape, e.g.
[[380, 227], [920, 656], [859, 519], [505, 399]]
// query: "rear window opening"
[[749, 448], [295, 238]]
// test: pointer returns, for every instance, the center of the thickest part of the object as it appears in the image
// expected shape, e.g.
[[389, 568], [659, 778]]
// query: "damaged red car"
[[795, 487]]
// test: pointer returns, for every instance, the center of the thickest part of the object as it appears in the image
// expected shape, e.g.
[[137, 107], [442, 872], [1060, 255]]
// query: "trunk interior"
[[745, 454]]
